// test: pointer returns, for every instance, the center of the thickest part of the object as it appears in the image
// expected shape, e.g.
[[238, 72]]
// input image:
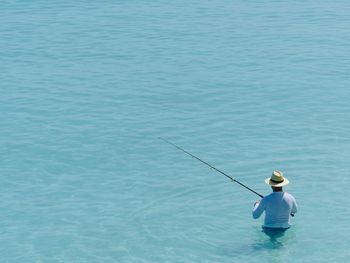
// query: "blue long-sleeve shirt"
[[277, 206]]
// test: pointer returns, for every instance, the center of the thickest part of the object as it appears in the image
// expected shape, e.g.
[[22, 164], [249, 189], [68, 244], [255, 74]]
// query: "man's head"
[[277, 180]]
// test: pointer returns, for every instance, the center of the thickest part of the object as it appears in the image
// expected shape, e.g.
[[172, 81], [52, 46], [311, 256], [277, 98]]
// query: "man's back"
[[277, 206]]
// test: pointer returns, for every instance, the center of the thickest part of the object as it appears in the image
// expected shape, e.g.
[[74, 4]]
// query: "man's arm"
[[258, 209], [294, 207]]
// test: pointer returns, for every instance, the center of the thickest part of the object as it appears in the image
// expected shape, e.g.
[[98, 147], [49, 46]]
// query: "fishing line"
[[212, 167]]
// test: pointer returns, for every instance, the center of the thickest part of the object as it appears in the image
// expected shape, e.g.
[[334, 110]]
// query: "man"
[[278, 205]]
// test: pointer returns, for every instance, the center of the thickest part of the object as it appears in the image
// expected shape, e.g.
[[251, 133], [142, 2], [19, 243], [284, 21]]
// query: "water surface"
[[87, 88]]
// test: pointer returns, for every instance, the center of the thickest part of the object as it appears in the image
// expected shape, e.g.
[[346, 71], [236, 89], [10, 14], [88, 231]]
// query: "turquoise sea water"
[[249, 86]]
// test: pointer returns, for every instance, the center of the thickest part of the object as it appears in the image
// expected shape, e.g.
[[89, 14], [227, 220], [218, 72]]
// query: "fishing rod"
[[212, 167]]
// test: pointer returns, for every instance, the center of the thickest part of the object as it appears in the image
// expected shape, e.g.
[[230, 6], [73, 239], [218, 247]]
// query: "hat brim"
[[269, 182]]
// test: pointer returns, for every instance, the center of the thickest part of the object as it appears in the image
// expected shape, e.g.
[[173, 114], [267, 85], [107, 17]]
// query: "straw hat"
[[277, 179]]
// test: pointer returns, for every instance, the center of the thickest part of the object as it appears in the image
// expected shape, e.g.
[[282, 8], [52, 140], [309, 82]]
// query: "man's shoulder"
[[269, 196], [288, 195]]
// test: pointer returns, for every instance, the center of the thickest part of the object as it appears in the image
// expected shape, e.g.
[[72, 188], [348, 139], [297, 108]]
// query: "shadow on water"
[[272, 243], [275, 234], [268, 238]]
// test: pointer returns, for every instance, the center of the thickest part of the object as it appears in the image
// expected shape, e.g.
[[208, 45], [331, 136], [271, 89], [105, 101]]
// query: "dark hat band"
[[276, 182]]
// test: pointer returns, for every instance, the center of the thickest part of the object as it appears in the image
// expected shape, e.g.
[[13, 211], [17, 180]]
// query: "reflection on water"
[[273, 238], [275, 246], [274, 233]]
